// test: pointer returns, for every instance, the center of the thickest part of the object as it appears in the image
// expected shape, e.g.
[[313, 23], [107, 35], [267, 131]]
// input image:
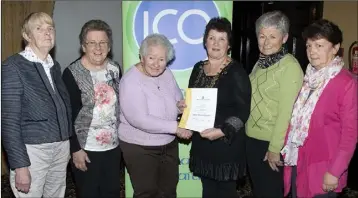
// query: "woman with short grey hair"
[[148, 127], [273, 19], [157, 39], [276, 80]]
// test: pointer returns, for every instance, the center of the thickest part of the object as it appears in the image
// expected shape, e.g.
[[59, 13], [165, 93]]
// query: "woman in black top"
[[217, 155], [93, 85]]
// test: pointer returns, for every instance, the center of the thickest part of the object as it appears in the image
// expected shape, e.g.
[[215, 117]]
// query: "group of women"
[[290, 131]]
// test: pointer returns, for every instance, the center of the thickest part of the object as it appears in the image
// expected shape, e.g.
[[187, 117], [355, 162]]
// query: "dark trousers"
[[153, 170], [102, 178], [215, 189], [266, 183], [294, 189]]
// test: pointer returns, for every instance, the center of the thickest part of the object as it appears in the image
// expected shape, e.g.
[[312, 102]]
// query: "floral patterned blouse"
[[94, 96]]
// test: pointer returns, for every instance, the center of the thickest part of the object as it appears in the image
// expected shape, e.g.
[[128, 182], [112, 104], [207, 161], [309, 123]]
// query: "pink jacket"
[[332, 138]]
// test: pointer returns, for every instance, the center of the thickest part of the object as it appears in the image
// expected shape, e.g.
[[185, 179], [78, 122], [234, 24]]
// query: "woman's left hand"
[[330, 182], [212, 134]]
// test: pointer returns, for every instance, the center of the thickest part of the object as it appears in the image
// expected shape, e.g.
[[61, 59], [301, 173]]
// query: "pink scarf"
[[313, 85]]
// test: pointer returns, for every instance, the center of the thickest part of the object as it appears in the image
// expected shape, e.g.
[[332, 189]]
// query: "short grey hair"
[[275, 19], [157, 39]]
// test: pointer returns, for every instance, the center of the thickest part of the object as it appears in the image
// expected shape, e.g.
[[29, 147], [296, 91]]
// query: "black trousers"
[[153, 170], [294, 190], [102, 178], [266, 183], [215, 189]]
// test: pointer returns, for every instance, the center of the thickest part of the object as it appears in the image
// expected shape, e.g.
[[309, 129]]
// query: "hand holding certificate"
[[201, 109]]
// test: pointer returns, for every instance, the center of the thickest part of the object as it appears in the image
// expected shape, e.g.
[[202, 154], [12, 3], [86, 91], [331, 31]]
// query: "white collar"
[[30, 55]]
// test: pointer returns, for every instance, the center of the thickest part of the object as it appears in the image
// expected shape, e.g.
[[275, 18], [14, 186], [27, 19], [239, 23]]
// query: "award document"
[[200, 110]]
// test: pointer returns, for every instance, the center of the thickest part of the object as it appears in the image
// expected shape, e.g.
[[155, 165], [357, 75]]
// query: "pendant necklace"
[[156, 83]]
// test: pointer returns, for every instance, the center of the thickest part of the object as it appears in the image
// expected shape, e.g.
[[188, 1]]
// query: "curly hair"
[[220, 24]]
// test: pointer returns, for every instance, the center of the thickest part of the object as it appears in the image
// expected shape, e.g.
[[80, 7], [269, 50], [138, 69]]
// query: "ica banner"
[[183, 23]]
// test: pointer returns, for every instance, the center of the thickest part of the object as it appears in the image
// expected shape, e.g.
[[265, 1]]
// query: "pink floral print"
[[313, 85], [104, 137], [103, 94]]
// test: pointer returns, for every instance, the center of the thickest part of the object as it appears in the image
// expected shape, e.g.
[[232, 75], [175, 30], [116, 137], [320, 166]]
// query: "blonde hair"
[[32, 19]]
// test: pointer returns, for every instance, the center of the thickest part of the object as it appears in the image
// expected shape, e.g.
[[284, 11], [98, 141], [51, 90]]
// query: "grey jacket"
[[32, 111]]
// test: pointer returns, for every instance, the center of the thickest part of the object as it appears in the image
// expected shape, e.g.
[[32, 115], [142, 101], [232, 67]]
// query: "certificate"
[[200, 110]]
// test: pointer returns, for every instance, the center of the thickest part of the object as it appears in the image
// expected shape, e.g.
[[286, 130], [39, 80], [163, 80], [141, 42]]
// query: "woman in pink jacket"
[[323, 131]]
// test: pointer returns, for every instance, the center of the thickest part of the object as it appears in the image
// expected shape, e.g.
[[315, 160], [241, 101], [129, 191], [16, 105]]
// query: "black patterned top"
[[223, 159], [95, 106]]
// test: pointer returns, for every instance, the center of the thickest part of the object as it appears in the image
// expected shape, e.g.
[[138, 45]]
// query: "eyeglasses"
[[93, 44]]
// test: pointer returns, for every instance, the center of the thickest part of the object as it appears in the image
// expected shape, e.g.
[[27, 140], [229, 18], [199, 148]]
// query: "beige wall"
[[344, 14]]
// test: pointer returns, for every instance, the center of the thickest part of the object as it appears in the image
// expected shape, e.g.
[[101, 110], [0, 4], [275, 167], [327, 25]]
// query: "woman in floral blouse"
[[92, 82]]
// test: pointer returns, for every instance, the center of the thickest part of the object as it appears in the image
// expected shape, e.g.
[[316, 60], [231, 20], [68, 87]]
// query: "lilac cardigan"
[[331, 140], [148, 111]]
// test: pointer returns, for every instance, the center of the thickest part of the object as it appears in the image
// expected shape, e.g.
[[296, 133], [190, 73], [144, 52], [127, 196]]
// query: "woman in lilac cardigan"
[[323, 130], [149, 96]]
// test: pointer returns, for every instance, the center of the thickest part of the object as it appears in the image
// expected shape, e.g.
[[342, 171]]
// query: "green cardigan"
[[274, 91]]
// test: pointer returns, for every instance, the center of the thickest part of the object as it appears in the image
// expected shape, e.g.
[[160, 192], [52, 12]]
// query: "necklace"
[[153, 78], [223, 63], [157, 83]]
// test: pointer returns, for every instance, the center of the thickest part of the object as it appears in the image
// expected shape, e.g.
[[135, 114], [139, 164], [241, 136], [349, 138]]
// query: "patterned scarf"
[[266, 61], [313, 85]]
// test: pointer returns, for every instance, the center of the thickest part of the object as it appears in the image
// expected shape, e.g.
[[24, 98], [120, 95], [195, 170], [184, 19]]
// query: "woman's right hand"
[[184, 133], [273, 160], [79, 159]]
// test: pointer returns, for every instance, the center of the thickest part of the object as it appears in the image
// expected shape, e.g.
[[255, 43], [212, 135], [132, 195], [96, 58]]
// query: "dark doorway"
[[245, 13]]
